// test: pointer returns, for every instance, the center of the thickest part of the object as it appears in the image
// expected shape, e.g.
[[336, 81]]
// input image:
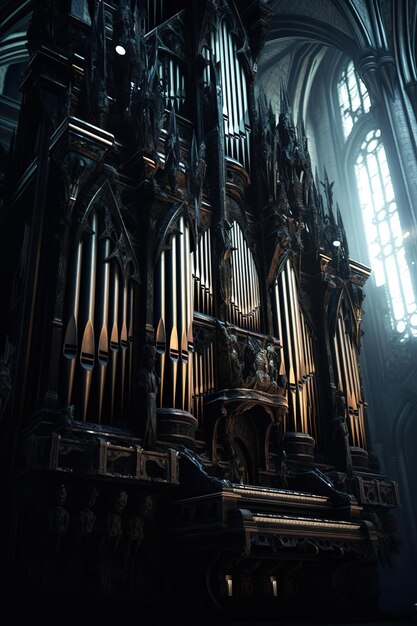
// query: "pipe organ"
[[237, 127], [245, 302], [295, 335], [152, 301], [98, 340], [202, 265], [348, 381], [172, 78], [174, 314]]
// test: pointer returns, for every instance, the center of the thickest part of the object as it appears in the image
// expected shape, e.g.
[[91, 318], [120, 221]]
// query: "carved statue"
[[341, 436], [58, 519], [135, 532], [195, 176], [265, 368], [140, 566], [112, 535], [233, 364], [284, 469], [87, 517], [172, 151], [113, 531], [225, 247], [148, 381]]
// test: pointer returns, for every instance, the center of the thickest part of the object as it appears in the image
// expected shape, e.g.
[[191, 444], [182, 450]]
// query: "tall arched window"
[[380, 216], [353, 98]]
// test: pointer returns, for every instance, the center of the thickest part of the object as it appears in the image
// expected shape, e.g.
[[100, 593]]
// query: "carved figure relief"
[[249, 363], [58, 520], [341, 435], [148, 382]]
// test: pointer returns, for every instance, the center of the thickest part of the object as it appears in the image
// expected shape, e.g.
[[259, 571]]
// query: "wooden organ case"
[[187, 385]]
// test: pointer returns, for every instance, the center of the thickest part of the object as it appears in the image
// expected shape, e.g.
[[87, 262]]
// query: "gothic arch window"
[[353, 98], [384, 235]]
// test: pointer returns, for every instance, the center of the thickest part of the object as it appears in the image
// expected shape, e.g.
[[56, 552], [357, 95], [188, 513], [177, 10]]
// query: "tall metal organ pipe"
[[294, 334], [235, 98], [347, 369], [245, 305], [173, 318], [102, 313], [87, 355]]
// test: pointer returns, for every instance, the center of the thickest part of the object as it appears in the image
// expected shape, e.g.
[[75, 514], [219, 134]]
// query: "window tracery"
[[384, 235]]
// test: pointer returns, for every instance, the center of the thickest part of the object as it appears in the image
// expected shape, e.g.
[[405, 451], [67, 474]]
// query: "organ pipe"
[[184, 364], [293, 333], [103, 342], [190, 373], [203, 275], [290, 368], [349, 382], [178, 273], [160, 349], [123, 346], [114, 337], [244, 306], [71, 334], [207, 284], [87, 356], [101, 312], [173, 343], [172, 76], [210, 272], [160, 332], [235, 100], [130, 340]]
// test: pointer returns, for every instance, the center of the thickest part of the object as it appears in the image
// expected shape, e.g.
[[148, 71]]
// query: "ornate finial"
[[328, 190]]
